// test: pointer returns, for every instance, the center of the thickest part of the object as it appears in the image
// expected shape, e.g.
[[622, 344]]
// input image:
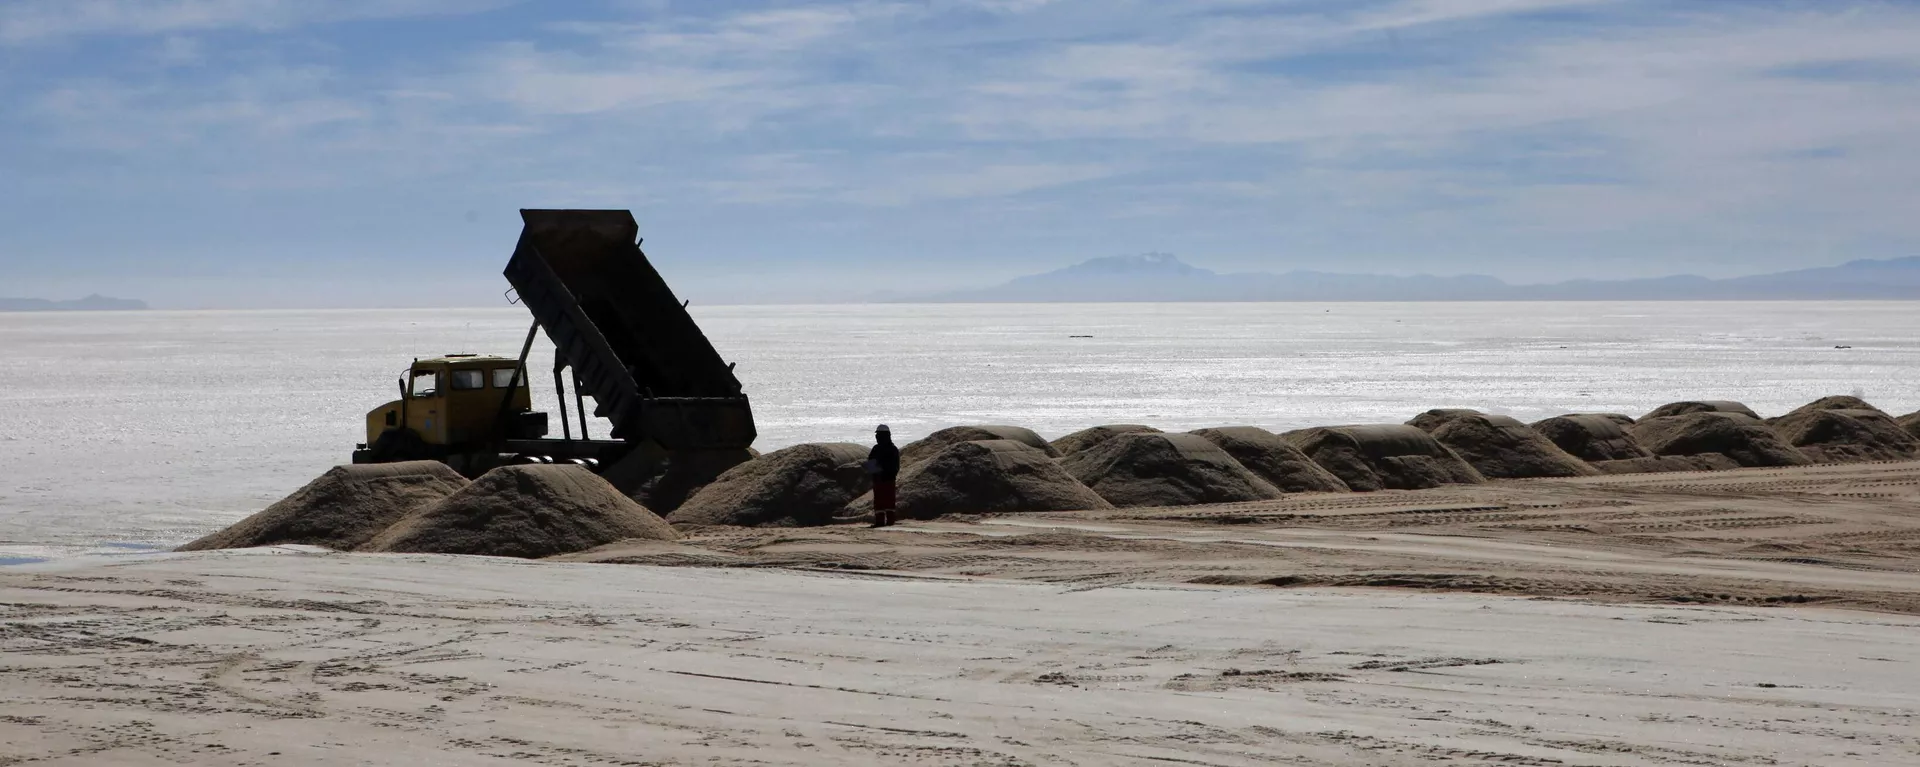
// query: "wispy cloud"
[[1416, 13]]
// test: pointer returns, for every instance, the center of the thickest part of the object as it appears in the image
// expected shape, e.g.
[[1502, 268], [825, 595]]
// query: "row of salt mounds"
[[1846, 430], [1086, 438], [1604, 442], [931, 445], [1383, 457], [1593, 437], [1746, 440], [1157, 469], [984, 476], [341, 509], [1498, 446], [1273, 459], [524, 511], [801, 485]]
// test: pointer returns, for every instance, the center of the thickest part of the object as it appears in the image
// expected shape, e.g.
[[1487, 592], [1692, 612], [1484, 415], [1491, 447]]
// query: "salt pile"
[[1155, 469], [799, 485], [922, 449], [1383, 457], [1745, 439], [684, 474], [1700, 406], [341, 509], [524, 511], [1846, 430], [1834, 402], [1910, 422], [1593, 436], [1086, 438], [1437, 417], [997, 475], [1273, 459], [1500, 447]]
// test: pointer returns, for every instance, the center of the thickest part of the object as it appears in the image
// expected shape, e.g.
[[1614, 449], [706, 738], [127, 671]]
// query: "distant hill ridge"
[[1162, 277], [93, 303]]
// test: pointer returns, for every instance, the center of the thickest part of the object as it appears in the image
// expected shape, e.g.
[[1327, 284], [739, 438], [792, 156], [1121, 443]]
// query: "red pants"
[[883, 498]]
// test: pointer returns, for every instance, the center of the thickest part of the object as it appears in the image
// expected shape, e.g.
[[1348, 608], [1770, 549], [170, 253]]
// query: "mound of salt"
[[1745, 439], [1086, 438], [1700, 406], [1273, 459], [683, 474], [1661, 463], [1910, 422], [795, 486], [524, 511], [1500, 447], [1437, 417], [341, 509], [1835, 402], [1847, 436], [1592, 436], [994, 475], [1155, 469], [1383, 457], [922, 449]]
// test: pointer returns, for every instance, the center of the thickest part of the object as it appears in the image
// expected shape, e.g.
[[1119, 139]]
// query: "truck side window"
[[468, 380], [393, 418], [503, 378], [426, 383]]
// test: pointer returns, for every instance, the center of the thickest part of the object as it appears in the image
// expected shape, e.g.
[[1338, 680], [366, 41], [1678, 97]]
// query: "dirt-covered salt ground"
[[1741, 617]]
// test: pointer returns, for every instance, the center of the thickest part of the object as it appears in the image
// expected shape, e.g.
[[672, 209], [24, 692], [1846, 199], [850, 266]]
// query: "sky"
[[299, 153]]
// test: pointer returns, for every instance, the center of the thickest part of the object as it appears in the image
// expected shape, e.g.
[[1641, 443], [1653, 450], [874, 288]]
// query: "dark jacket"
[[888, 457]]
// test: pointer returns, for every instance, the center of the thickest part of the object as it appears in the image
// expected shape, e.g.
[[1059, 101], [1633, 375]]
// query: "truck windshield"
[[425, 383]]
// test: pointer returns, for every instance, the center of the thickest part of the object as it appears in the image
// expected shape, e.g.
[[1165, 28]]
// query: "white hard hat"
[[882, 428]]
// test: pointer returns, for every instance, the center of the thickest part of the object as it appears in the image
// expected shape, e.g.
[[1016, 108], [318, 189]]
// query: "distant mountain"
[[93, 303], [1162, 277]]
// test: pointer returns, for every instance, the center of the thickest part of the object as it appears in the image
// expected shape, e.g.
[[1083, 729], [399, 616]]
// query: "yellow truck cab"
[[455, 402]]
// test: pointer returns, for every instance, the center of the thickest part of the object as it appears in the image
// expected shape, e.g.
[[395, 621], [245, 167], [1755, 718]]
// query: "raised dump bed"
[[650, 370]]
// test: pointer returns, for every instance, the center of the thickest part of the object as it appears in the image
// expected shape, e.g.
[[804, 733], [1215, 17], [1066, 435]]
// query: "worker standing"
[[883, 462]]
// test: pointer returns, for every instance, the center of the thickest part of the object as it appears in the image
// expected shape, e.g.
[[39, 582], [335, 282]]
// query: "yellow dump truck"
[[456, 400], [661, 389]]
